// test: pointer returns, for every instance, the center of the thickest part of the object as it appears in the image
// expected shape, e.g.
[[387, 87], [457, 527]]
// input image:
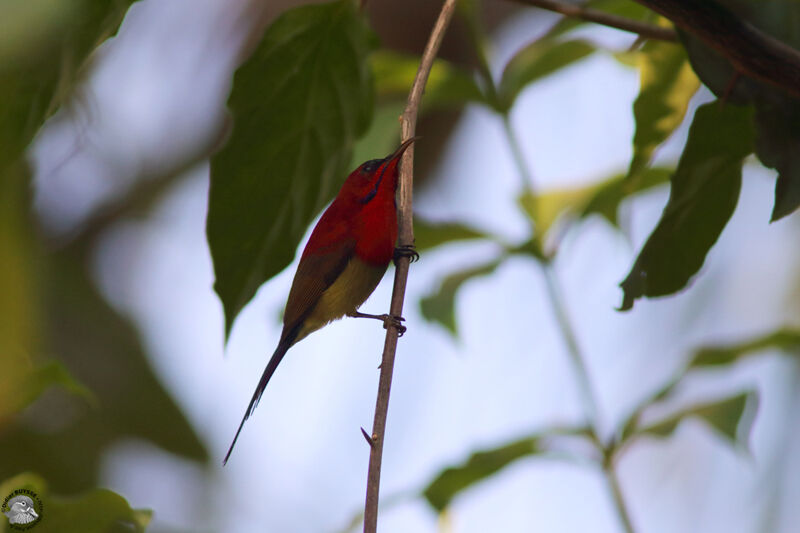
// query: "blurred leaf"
[[703, 196], [778, 147], [429, 235], [97, 511], [667, 85], [784, 339], [448, 85], [43, 45], [19, 336], [298, 105], [382, 137], [777, 116], [440, 306], [536, 61], [725, 416], [545, 208], [610, 194], [622, 8], [480, 465], [631, 423], [61, 437], [34, 383], [602, 197]]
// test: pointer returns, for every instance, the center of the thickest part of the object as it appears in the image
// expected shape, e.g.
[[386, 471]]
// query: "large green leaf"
[[298, 105], [43, 45], [725, 416], [440, 306], [667, 85], [96, 511], [448, 85], [536, 61], [777, 113], [782, 339], [703, 196], [480, 465]]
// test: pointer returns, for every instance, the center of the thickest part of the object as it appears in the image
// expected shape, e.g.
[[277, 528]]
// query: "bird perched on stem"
[[344, 260]]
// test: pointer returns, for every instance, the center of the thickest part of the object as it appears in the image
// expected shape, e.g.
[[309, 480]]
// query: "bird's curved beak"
[[402, 148]]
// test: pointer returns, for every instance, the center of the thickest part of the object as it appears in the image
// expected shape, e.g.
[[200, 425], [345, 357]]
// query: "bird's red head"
[[374, 176]]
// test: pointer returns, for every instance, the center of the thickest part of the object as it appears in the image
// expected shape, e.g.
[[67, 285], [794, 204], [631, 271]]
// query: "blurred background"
[[120, 283]]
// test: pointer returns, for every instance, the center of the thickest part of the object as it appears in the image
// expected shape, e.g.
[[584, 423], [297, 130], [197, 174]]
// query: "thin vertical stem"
[[570, 339], [405, 239], [519, 158], [588, 395], [619, 500]]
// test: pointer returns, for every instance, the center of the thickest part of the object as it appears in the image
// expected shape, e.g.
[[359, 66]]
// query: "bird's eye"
[[371, 166]]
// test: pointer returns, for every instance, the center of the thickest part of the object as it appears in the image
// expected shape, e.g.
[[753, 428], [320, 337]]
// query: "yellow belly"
[[345, 295]]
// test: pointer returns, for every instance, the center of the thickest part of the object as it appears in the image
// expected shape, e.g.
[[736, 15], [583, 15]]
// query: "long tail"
[[280, 351]]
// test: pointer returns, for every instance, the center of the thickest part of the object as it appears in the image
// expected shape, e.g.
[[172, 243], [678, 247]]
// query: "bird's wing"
[[315, 273]]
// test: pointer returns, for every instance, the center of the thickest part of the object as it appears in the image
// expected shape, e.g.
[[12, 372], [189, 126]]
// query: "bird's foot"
[[406, 250], [388, 320]]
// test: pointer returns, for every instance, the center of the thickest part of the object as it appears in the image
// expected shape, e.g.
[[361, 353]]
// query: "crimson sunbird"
[[344, 260]]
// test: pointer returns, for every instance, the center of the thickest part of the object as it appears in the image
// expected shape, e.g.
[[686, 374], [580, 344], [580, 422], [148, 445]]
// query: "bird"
[[20, 510], [345, 258]]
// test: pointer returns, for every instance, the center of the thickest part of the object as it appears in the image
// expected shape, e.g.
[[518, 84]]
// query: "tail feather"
[[274, 361]]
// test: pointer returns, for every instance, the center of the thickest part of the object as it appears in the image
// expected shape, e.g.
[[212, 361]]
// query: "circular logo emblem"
[[23, 508]]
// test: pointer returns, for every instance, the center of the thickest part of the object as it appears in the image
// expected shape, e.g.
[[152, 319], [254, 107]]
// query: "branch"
[[649, 31], [405, 238], [752, 52]]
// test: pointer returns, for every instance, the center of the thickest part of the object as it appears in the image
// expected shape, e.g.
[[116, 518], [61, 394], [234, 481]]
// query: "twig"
[[405, 238], [588, 394], [619, 500], [750, 50], [606, 19]]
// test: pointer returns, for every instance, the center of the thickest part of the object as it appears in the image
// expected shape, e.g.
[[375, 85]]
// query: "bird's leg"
[[406, 250], [388, 320]]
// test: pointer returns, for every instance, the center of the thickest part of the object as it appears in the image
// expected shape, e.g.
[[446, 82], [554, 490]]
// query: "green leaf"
[[667, 85], [536, 61], [480, 465], [96, 511], [725, 416], [602, 197], [622, 8], [783, 339], [19, 335], [448, 85], [43, 45], [703, 196], [611, 193], [777, 142], [298, 105], [440, 306], [383, 135], [777, 116], [27, 389], [429, 235], [61, 437]]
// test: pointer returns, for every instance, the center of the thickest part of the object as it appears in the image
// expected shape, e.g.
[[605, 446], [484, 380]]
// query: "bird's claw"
[[396, 321], [406, 250]]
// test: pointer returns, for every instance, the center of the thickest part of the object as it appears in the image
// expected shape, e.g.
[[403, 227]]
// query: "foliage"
[[96, 511], [308, 80], [315, 98]]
